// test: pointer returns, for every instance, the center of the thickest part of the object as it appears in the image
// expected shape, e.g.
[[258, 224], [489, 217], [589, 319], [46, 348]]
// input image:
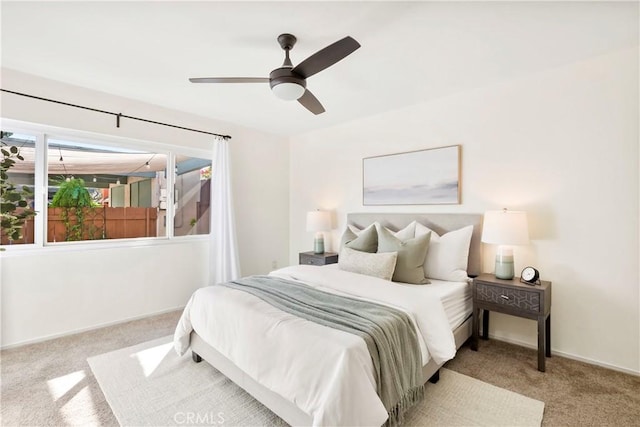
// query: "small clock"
[[530, 276]]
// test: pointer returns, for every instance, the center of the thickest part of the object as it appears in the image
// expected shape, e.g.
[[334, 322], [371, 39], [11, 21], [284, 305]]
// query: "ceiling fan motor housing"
[[286, 84]]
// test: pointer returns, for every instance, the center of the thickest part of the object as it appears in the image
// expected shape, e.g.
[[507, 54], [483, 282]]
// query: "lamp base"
[[504, 264], [318, 245]]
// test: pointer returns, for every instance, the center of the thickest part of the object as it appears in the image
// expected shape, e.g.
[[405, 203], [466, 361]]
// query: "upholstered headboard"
[[440, 223]]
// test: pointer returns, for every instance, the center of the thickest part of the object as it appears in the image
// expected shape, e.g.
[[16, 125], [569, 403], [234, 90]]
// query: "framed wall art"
[[424, 177]]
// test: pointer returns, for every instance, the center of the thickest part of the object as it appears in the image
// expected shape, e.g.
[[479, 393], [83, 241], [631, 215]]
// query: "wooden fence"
[[99, 223]]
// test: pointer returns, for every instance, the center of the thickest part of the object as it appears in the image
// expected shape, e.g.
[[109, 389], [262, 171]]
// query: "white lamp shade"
[[318, 221], [288, 91], [505, 228]]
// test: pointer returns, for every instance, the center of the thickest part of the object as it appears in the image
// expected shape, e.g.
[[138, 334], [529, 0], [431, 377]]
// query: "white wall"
[[54, 292], [560, 144]]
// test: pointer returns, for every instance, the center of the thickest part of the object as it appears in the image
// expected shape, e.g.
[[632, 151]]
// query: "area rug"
[[150, 385]]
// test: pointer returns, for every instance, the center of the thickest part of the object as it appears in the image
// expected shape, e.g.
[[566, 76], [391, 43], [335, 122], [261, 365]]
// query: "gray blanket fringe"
[[396, 414]]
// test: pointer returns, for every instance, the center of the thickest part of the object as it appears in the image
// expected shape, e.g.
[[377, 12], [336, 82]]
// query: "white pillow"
[[380, 265], [409, 232], [448, 255]]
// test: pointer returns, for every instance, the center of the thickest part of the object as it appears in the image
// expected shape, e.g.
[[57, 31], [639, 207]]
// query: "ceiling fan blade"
[[229, 80], [326, 57], [311, 103]]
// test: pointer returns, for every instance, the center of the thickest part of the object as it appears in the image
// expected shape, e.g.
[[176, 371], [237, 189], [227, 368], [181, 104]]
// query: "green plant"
[[72, 194], [73, 197], [14, 202]]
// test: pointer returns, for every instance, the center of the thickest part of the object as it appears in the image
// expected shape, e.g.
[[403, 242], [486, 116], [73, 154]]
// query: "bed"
[[269, 366]]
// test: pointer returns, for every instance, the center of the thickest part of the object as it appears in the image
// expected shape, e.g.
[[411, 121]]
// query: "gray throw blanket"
[[388, 333]]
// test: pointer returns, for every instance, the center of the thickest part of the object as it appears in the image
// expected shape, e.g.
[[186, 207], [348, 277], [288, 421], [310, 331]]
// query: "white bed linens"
[[456, 297], [457, 300], [327, 373]]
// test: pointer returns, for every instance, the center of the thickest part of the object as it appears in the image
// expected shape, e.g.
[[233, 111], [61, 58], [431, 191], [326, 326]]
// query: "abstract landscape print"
[[424, 177]]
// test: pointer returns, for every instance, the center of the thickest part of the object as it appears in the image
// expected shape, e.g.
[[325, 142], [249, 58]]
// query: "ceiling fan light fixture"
[[288, 91]]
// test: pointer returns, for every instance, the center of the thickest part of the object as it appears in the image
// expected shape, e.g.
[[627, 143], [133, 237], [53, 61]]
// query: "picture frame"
[[423, 177]]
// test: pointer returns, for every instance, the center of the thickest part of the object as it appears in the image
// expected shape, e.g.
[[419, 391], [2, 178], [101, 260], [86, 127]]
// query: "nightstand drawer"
[[311, 261], [517, 298], [311, 258]]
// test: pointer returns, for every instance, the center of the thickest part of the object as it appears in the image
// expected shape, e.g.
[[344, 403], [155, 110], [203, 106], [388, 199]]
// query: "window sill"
[[32, 249]]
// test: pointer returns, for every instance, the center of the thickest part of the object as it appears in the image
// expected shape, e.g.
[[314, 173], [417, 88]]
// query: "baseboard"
[[89, 328], [567, 355]]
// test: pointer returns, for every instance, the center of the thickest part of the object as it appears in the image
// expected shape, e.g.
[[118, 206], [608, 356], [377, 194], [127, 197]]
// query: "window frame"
[[43, 133]]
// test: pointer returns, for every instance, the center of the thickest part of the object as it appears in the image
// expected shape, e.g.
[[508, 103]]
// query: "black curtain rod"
[[118, 115]]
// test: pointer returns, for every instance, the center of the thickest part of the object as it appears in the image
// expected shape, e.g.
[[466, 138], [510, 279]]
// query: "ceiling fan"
[[289, 82]]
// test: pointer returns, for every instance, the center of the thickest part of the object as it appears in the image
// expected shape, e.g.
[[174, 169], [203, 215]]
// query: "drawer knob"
[[504, 297]]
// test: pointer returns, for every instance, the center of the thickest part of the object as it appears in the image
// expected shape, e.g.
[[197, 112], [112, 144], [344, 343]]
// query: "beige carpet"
[[148, 384]]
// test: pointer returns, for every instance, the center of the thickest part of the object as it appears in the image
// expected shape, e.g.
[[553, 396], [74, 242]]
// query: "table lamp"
[[505, 228], [318, 221]]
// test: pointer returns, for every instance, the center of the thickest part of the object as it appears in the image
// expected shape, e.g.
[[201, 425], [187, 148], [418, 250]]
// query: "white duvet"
[[327, 373]]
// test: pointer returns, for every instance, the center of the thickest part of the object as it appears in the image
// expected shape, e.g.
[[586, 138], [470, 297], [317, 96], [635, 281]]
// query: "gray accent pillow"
[[376, 265], [366, 241], [411, 255]]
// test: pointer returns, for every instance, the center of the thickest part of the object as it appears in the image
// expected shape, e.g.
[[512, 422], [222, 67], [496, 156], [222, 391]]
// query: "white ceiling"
[[411, 52]]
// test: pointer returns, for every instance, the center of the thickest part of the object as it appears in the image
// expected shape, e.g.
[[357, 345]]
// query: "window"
[[17, 183], [100, 190], [192, 196]]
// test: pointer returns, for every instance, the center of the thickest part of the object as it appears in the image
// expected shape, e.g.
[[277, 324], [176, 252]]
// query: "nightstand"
[[517, 299], [311, 258]]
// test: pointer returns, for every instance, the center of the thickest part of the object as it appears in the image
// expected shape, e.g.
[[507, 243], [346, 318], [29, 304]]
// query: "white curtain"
[[224, 247]]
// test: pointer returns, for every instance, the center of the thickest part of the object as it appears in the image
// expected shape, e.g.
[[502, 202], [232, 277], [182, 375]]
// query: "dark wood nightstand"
[[517, 299], [311, 258]]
